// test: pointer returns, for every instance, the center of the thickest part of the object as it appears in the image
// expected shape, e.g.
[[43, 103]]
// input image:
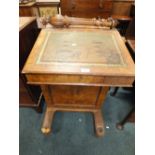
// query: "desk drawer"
[[58, 79], [86, 8], [86, 4]]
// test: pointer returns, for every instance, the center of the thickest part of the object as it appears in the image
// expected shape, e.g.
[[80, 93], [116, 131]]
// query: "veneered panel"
[[74, 95]]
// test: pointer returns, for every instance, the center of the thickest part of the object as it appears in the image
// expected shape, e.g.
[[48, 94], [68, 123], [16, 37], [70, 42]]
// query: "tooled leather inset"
[[81, 47]]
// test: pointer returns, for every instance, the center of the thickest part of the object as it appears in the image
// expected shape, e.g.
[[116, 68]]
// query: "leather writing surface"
[[89, 47], [80, 51]]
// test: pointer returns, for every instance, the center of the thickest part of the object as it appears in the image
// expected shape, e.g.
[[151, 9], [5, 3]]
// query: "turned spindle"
[[60, 21]]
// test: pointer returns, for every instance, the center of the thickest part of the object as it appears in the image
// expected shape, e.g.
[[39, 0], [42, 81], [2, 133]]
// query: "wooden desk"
[[86, 8], [27, 9], [75, 68], [29, 95], [123, 23]]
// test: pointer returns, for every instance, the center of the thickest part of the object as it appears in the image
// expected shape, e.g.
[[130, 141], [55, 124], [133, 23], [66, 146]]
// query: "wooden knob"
[[60, 21], [57, 21], [100, 131]]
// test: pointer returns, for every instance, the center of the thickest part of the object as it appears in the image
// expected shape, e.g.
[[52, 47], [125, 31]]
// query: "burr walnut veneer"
[[75, 67]]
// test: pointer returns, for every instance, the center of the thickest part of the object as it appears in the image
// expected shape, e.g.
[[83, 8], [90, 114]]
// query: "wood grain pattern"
[[122, 7], [101, 96], [27, 10], [86, 8], [74, 96], [60, 79]]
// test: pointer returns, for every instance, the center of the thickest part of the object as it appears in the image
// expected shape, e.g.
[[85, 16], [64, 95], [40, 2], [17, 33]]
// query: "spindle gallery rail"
[[60, 21]]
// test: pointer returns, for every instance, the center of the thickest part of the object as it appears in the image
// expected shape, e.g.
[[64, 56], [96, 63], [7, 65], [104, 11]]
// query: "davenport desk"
[[75, 68]]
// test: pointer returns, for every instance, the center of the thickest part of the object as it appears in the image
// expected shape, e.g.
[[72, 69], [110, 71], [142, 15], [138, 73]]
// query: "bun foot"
[[45, 130]]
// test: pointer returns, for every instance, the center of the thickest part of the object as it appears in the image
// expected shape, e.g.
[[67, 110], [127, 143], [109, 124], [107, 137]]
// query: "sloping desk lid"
[[80, 51]]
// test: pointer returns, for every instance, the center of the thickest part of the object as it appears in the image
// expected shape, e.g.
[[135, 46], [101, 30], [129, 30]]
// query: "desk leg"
[[99, 123], [48, 119]]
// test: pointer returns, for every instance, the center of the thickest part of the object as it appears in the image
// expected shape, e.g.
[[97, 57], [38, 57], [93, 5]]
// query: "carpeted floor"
[[73, 133]]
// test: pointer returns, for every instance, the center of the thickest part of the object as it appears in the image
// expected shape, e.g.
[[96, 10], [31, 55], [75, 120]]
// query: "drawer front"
[[86, 4], [25, 12], [89, 80], [86, 8]]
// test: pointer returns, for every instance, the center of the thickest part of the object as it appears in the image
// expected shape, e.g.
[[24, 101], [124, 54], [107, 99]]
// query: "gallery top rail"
[[60, 21]]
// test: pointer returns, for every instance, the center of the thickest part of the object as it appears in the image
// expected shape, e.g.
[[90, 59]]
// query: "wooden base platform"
[[49, 115], [74, 98]]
